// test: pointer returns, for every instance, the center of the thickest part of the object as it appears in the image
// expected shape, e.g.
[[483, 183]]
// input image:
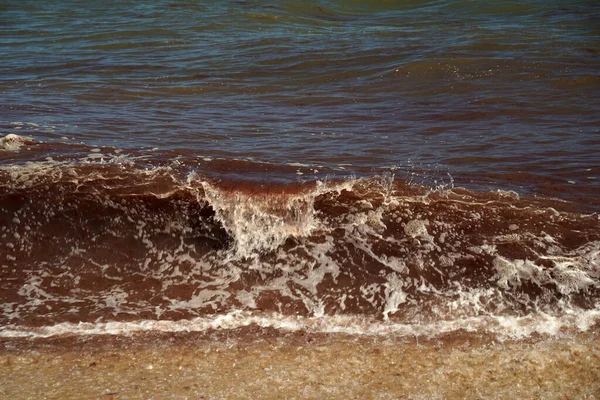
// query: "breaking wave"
[[111, 242]]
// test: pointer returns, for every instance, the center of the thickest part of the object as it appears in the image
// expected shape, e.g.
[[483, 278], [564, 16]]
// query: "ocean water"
[[388, 168]]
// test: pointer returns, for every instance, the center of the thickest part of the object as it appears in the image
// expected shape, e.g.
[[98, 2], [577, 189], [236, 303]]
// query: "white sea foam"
[[263, 222], [570, 273], [11, 142], [418, 229], [502, 328], [394, 296]]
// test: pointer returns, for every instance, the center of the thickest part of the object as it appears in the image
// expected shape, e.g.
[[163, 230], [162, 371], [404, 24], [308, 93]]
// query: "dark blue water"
[[504, 94]]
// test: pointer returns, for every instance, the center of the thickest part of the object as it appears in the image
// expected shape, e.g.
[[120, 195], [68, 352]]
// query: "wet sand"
[[259, 363]]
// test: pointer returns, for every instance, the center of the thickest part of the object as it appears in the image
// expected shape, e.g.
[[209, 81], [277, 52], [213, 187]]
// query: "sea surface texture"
[[382, 168]]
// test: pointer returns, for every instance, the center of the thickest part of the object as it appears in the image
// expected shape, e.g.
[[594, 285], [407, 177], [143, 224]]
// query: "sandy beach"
[[253, 363]]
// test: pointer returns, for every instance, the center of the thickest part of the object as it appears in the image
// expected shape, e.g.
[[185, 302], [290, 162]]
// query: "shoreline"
[[265, 363]]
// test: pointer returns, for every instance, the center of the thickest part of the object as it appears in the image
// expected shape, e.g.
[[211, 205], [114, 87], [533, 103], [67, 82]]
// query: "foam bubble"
[[11, 142], [417, 229]]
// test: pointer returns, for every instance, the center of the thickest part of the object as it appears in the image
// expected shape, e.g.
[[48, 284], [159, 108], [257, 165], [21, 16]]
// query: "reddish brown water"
[[405, 168]]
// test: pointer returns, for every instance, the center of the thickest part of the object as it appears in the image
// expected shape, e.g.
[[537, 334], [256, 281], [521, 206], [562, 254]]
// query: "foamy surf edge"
[[502, 327]]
